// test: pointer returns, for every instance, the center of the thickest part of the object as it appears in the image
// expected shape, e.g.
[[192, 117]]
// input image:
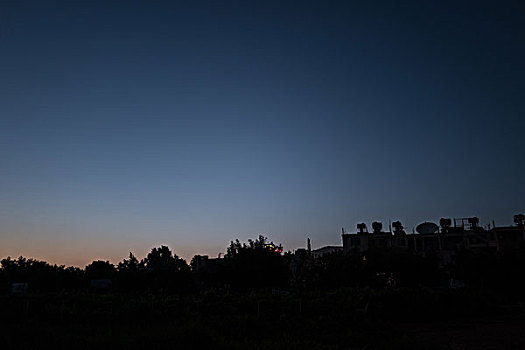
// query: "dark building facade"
[[446, 239]]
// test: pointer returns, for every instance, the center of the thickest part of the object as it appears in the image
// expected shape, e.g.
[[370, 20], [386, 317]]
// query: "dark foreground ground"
[[346, 319]]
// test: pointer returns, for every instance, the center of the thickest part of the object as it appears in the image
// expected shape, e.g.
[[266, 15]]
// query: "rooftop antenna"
[[519, 220]]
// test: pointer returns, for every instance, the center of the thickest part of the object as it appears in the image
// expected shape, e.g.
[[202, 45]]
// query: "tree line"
[[259, 264]]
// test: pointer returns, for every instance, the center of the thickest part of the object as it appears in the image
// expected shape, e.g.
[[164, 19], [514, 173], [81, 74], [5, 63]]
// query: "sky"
[[125, 125]]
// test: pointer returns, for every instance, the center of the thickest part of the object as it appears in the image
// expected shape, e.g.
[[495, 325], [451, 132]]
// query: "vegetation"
[[258, 297]]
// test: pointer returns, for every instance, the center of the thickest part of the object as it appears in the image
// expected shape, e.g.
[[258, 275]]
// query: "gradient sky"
[[130, 124]]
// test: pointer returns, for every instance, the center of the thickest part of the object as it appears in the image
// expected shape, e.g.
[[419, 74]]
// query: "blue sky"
[[125, 125]]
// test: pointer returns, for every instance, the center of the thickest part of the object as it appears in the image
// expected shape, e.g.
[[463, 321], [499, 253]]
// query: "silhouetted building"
[[450, 237], [317, 253], [204, 264]]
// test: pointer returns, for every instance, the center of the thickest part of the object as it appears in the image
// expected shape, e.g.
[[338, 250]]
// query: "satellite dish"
[[427, 227]]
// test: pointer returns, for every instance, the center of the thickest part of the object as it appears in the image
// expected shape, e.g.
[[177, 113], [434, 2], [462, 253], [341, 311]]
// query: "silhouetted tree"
[[162, 259], [166, 270], [129, 277], [257, 264], [40, 275], [100, 269], [129, 265]]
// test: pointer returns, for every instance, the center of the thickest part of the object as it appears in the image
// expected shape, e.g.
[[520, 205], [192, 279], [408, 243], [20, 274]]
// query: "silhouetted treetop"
[[162, 259], [260, 244], [131, 264], [258, 263], [23, 263], [100, 269]]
